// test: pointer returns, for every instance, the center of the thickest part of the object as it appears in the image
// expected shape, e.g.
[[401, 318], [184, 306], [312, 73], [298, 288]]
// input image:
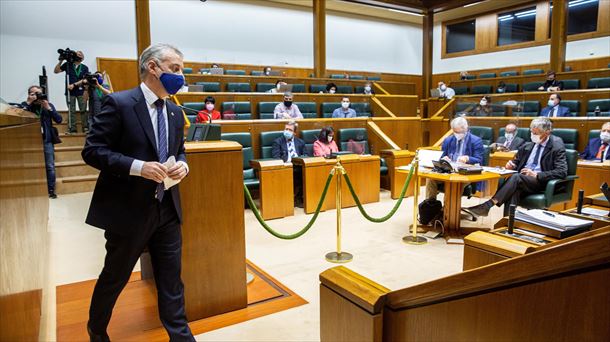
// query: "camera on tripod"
[[68, 55]]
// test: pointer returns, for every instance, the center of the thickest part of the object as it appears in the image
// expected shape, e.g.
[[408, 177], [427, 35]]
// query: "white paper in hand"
[[168, 182]]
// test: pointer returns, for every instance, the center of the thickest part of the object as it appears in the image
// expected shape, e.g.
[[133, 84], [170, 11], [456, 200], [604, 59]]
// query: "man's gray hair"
[[606, 124], [156, 52], [287, 94], [460, 121], [543, 124]]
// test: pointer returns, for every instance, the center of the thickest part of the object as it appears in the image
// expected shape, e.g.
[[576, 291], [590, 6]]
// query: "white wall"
[[32, 31], [588, 48]]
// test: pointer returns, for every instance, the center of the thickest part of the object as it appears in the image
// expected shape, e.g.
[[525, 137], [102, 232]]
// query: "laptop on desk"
[[217, 71], [435, 92], [426, 157]]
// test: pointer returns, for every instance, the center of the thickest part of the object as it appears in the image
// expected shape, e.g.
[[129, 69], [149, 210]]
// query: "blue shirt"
[[530, 160], [340, 113]]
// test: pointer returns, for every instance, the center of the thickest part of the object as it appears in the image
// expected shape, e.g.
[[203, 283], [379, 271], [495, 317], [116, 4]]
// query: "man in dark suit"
[[289, 146], [510, 141], [599, 148], [536, 163], [461, 147], [131, 138], [554, 108]]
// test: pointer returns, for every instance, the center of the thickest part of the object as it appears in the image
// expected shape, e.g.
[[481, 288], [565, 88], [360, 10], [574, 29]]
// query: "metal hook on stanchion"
[[413, 239], [338, 257]]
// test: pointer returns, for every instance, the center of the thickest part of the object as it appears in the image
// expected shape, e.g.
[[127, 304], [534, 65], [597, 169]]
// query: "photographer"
[[38, 104], [96, 90], [76, 72]]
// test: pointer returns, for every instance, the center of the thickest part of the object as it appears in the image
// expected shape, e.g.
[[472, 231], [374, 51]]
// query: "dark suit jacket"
[[279, 150], [123, 132], [592, 148], [553, 162], [514, 145], [561, 111], [473, 148]]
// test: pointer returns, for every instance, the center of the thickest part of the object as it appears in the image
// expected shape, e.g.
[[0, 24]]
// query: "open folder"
[[552, 220]]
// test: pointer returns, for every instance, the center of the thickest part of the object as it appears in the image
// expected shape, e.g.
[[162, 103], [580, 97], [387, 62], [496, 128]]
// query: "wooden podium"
[[213, 231]]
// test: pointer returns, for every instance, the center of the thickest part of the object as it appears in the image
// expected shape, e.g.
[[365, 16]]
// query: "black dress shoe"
[[93, 337], [478, 210], [53, 195]]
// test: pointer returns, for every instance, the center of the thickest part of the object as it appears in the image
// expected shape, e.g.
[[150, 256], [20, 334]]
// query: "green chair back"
[[526, 108], [357, 135], [603, 104], [238, 87], [309, 137], [245, 140], [522, 132], [462, 90], [598, 82], [573, 105], [568, 135], [345, 89], [316, 88], [308, 109], [480, 89], [267, 139], [187, 71], [211, 87], [594, 133], [235, 72], [356, 77], [509, 73], [265, 110], [236, 110], [328, 108], [378, 78], [361, 108], [571, 84], [533, 72], [337, 76], [264, 87], [194, 105], [531, 86], [257, 73], [488, 75], [485, 133]]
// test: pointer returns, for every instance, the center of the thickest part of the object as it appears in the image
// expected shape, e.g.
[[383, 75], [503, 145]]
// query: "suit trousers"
[[164, 242], [515, 187]]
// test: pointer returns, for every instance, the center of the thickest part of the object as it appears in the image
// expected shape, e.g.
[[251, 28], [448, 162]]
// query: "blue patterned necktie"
[[162, 144], [536, 156]]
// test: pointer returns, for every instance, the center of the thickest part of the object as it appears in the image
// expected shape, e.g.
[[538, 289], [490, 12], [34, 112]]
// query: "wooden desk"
[[363, 171], [276, 188], [597, 199], [591, 176], [213, 230], [396, 179]]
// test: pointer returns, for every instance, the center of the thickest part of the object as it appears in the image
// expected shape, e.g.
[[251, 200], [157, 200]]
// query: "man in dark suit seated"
[[554, 108], [289, 146], [536, 163], [460, 147], [599, 148], [510, 141], [130, 141]]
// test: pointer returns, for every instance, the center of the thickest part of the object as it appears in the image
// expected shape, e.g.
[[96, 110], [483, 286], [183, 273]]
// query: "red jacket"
[[202, 116]]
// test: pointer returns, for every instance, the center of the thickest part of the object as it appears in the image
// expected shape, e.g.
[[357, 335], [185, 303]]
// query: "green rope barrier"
[[260, 219], [392, 212]]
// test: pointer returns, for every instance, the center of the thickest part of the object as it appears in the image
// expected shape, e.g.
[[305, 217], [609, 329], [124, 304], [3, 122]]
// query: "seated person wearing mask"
[[464, 75], [551, 83], [445, 92], [331, 88], [599, 148], [287, 109], [501, 88], [368, 89], [278, 84], [345, 111], [325, 145], [462, 147], [289, 146], [536, 163], [267, 71], [510, 141], [554, 109], [484, 107], [202, 115]]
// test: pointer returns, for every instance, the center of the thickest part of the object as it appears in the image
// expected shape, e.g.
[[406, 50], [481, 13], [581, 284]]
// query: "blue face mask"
[[100, 79], [171, 82], [288, 135]]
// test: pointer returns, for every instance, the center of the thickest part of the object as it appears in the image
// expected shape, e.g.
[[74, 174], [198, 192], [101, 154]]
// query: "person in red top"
[[202, 115], [325, 145]]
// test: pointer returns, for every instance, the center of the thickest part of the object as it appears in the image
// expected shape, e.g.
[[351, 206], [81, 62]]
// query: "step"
[[75, 184], [72, 140], [67, 153], [74, 168], [63, 127]]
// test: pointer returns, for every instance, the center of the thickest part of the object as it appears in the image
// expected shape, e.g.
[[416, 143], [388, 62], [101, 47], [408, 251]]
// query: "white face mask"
[[483, 102], [278, 86], [332, 91], [604, 136], [367, 89], [209, 107], [509, 136], [330, 139], [443, 87], [535, 138], [345, 105], [551, 103], [459, 136]]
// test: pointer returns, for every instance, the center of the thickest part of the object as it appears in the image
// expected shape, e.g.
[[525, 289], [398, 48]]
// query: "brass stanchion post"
[[413, 239], [338, 257]]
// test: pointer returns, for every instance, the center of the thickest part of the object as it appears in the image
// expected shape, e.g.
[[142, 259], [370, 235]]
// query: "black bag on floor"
[[430, 210]]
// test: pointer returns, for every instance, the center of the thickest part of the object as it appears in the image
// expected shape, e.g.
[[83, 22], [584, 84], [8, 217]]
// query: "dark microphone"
[[196, 112], [581, 198], [511, 218]]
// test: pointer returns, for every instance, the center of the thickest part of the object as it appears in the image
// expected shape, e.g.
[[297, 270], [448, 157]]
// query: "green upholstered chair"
[[488, 75], [373, 78], [603, 104], [265, 110], [522, 132], [573, 105], [509, 73], [531, 86], [567, 68], [594, 133], [263, 87], [485, 133], [316, 88], [462, 90], [345, 89], [267, 139], [257, 73], [359, 90], [309, 136], [557, 190], [359, 136], [298, 88], [235, 72], [187, 71], [464, 107], [527, 108], [337, 76], [245, 140], [328, 108], [236, 110], [204, 70], [533, 72], [568, 135], [598, 82], [510, 88], [480, 89], [361, 108], [211, 87], [238, 87], [571, 84], [194, 106], [308, 109], [471, 77], [356, 77]]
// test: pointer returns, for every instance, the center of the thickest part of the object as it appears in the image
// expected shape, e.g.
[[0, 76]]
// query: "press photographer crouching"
[[38, 104], [70, 61], [96, 90]]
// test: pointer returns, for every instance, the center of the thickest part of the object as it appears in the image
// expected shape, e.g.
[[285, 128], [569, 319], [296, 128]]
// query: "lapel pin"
[[172, 113]]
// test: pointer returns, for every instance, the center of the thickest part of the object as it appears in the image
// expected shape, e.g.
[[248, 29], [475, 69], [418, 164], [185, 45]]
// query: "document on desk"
[[498, 170], [551, 220], [595, 212], [168, 182]]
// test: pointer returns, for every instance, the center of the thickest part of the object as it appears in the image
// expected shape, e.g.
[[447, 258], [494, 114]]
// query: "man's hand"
[[510, 165], [154, 171], [463, 159], [540, 88], [177, 172], [529, 172], [70, 86], [45, 104]]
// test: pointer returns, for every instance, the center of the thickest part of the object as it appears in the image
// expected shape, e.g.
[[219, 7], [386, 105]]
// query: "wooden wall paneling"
[[123, 72], [405, 132], [486, 33], [542, 21], [476, 257], [319, 38], [142, 24], [400, 105], [559, 35], [603, 18], [427, 55], [435, 128], [590, 177]]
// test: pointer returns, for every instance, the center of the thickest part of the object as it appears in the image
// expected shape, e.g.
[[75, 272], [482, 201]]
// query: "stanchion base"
[[415, 240], [339, 258], [249, 277]]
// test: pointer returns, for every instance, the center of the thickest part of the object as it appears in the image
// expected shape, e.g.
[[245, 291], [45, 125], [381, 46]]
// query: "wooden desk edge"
[[212, 146]]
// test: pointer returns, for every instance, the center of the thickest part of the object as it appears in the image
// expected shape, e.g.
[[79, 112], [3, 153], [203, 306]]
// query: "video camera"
[[91, 79], [43, 84], [68, 55]]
